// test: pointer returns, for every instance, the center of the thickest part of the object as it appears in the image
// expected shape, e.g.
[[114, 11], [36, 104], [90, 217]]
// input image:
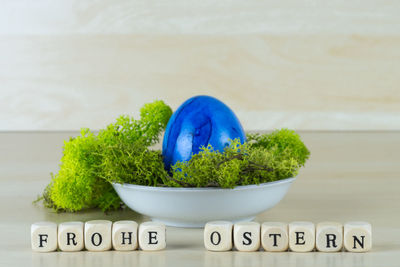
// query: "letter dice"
[[357, 236], [44, 236], [329, 237], [98, 235], [218, 236], [246, 236], [152, 236], [70, 236], [301, 236], [124, 235], [274, 236]]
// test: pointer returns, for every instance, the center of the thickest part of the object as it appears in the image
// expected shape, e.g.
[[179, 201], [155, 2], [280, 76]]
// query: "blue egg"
[[199, 121]]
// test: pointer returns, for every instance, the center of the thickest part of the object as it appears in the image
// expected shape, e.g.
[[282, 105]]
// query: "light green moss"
[[118, 151]]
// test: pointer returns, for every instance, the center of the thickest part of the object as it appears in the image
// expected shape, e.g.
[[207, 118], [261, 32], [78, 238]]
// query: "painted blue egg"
[[199, 121]]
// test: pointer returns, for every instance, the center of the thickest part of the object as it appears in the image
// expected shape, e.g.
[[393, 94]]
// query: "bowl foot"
[[200, 224]]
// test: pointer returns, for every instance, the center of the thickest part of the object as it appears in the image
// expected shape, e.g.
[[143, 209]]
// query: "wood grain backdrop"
[[308, 65]]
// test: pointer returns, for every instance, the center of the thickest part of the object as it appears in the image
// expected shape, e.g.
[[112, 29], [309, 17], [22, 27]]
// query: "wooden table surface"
[[350, 176]]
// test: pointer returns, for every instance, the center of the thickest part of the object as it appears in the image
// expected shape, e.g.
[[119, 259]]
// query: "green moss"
[[124, 150], [129, 163], [76, 186], [264, 158], [120, 153], [284, 144]]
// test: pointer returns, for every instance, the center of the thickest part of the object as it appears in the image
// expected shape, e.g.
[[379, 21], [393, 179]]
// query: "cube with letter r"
[[329, 237], [70, 236]]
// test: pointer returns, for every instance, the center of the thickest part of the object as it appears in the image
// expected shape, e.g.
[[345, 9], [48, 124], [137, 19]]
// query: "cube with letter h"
[[124, 235]]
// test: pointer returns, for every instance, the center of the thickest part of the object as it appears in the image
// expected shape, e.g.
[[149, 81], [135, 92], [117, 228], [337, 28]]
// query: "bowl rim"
[[202, 189]]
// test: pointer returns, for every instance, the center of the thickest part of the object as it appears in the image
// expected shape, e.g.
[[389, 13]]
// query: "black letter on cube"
[[100, 239], [300, 237], [153, 237], [361, 243], [71, 237], [129, 238], [41, 239], [218, 238], [331, 238], [275, 239], [247, 236]]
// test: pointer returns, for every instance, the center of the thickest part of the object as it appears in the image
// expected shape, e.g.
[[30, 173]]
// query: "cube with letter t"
[[152, 236], [274, 236]]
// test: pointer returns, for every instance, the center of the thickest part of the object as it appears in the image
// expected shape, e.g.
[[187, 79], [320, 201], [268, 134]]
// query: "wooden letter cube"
[[246, 236], [301, 236], [152, 236], [98, 235], [218, 236], [274, 236], [357, 236], [329, 236], [70, 236], [44, 236], [124, 235]]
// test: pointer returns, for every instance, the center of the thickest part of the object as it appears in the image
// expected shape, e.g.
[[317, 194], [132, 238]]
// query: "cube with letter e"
[[152, 236], [301, 236]]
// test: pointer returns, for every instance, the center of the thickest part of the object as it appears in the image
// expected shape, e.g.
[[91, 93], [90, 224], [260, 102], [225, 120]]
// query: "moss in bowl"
[[122, 154], [235, 185]]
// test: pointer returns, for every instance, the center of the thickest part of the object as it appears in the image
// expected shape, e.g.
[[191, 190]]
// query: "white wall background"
[[308, 65]]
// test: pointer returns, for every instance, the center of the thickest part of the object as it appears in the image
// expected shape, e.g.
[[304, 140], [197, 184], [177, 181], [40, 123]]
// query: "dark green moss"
[[264, 158]]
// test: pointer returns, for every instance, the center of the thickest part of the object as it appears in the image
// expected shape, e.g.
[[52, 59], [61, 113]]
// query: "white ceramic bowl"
[[193, 207]]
